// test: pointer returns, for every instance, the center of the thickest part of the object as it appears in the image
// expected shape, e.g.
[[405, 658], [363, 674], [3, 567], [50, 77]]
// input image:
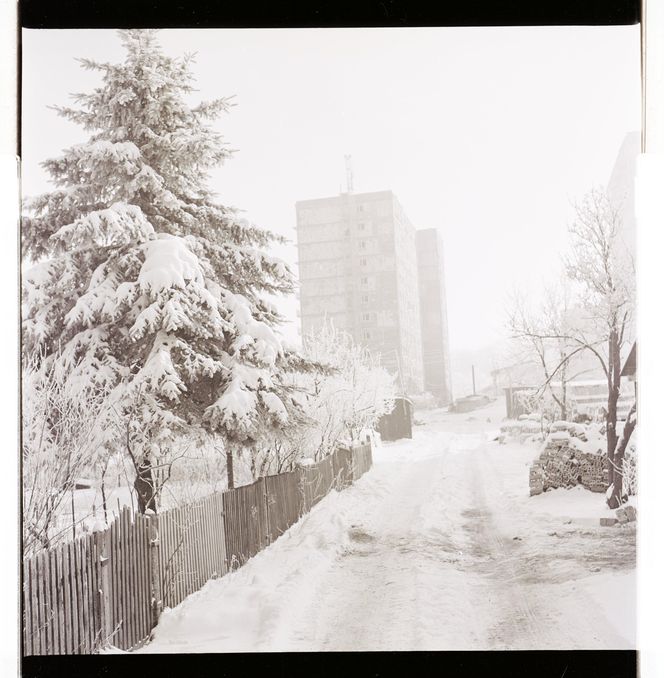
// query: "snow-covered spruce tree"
[[144, 285]]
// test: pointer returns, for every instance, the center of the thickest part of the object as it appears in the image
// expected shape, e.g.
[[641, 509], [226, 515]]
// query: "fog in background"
[[485, 133]]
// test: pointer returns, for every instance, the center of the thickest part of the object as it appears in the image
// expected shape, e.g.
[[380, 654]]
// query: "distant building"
[[358, 267], [433, 315], [621, 187]]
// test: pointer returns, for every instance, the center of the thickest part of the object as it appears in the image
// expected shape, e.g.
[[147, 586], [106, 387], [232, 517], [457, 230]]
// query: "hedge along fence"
[[109, 587]]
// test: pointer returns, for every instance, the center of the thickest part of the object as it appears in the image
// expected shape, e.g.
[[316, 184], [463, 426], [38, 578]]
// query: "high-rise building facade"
[[358, 268], [433, 315]]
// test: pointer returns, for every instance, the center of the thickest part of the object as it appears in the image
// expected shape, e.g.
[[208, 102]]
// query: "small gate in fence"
[[108, 588]]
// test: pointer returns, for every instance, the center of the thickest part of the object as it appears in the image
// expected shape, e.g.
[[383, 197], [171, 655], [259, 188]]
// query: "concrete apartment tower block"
[[357, 260], [433, 315]]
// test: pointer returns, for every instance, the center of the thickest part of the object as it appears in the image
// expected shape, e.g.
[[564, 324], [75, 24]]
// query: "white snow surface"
[[438, 547], [168, 263]]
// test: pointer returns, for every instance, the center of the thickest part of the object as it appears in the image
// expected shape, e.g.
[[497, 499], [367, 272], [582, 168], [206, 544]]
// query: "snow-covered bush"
[[342, 402], [60, 444]]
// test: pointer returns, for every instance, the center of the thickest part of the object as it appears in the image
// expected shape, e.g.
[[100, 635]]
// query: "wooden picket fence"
[[108, 588]]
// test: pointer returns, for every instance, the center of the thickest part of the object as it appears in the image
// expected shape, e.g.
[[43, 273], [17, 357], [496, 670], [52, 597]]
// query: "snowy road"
[[438, 547]]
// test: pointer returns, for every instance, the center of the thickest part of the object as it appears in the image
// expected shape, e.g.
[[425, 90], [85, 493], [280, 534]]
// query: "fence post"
[[155, 574], [300, 486], [104, 585], [266, 512]]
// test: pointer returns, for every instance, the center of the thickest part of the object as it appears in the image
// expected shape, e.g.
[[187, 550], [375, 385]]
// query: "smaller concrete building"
[[433, 315]]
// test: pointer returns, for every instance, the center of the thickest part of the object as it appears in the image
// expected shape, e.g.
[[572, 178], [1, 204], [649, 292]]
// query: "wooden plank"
[[140, 575], [147, 576], [126, 582], [76, 631], [212, 535], [114, 566], [171, 556], [204, 544], [94, 590], [28, 632], [122, 632], [85, 591], [38, 614], [81, 575], [204, 541], [31, 646], [50, 611], [144, 599], [200, 551], [80, 570], [222, 538], [227, 529], [218, 526], [191, 550], [62, 625], [90, 591], [66, 599], [163, 556], [137, 597], [94, 594], [176, 563], [180, 531], [133, 584], [34, 606], [48, 607], [55, 607], [166, 554], [188, 543], [129, 584], [44, 604]]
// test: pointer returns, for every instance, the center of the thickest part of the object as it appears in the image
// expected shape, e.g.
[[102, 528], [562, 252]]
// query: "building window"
[[365, 298], [366, 334], [363, 244], [364, 280], [360, 208], [360, 227], [363, 262], [366, 317]]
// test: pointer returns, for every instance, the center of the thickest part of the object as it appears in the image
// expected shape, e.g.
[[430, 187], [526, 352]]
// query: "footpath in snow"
[[438, 547]]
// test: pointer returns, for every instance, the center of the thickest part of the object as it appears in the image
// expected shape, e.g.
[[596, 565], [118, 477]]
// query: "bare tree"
[[603, 270], [543, 336]]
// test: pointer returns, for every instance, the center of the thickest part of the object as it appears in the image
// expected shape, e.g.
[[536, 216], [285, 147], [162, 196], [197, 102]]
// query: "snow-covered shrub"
[[60, 444], [630, 467], [341, 403]]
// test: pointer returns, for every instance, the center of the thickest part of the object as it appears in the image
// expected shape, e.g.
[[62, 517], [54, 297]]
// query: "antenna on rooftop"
[[349, 174]]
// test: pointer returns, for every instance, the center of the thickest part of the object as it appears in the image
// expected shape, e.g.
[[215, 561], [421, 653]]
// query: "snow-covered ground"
[[438, 547]]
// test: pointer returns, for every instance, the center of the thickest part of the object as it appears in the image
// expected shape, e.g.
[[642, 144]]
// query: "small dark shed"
[[399, 422], [629, 368]]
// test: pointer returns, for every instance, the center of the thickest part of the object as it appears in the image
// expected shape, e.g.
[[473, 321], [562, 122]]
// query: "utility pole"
[[473, 369]]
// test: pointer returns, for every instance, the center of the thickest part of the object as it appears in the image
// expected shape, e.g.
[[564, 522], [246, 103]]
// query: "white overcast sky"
[[484, 133]]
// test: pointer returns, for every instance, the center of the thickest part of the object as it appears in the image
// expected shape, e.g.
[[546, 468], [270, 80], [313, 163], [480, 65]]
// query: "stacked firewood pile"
[[569, 458]]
